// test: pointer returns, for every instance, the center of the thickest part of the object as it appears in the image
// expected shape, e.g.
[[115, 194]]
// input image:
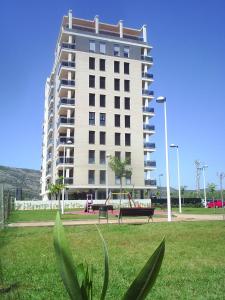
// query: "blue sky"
[[189, 69]]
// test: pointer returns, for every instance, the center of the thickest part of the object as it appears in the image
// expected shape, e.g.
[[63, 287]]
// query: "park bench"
[[96, 207], [136, 212]]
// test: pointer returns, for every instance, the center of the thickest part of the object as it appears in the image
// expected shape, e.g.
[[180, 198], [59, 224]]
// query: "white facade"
[[116, 109]]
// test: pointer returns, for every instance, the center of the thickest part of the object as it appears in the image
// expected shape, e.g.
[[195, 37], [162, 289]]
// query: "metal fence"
[[6, 205]]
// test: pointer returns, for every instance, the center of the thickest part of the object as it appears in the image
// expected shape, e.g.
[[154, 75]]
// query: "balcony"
[[66, 83], [64, 160], [50, 113], [150, 182], [50, 127], [150, 163], [147, 93], [148, 127], [50, 142], [149, 145], [147, 58], [66, 64], [48, 172], [148, 110], [64, 121], [50, 100], [49, 156], [147, 76], [70, 46], [65, 140], [66, 102], [68, 180]]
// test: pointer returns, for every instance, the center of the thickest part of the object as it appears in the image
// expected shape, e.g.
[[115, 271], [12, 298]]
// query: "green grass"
[[200, 210], [193, 268]]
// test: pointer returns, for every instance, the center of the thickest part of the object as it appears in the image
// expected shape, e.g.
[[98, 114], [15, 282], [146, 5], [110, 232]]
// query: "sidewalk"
[[176, 218]]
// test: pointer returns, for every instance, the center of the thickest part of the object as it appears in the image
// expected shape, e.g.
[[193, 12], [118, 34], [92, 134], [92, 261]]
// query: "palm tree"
[[121, 169], [55, 189]]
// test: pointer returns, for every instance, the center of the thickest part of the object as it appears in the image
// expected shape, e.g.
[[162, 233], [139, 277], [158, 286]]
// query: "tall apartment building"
[[97, 104]]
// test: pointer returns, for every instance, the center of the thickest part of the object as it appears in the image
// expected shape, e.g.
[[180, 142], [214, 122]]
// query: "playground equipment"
[[89, 203]]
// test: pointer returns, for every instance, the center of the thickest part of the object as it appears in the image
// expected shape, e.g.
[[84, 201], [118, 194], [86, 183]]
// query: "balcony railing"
[[50, 141], [68, 46], [149, 145], [66, 63], [150, 163], [148, 109], [150, 182], [66, 82], [147, 58], [147, 93], [65, 140], [48, 171], [68, 180], [148, 127], [147, 75], [50, 113], [50, 126], [65, 120], [49, 156], [64, 160], [66, 101]]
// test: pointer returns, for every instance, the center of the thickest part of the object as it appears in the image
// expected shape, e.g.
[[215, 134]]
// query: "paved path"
[[176, 218]]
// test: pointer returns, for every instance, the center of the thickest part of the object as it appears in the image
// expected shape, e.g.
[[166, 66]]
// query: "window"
[[102, 64], [116, 84], [91, 99], [91, 156], [127, 121], [91, 176], [126, 68], [128, 157], [127, 103], [102, 157], [117, 180], [102, 100], [92, 46], [102, 48], [91, 63], [91, 81], [91, 137], [116, 50], [117, 138], [102, 177], [118, 154], [102, 82], [126, 85], [117, 120], [126, 52], [116, 66], [102, 119], [102, 137], [91, 118], [117, 102], [128, 180], [127, 139]]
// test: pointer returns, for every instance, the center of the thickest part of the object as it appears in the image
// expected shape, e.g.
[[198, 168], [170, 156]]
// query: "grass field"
[[200, 210], [193, 268]]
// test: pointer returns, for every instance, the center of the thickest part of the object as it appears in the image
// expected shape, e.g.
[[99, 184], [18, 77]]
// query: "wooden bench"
[[96, 207], [136, 212]]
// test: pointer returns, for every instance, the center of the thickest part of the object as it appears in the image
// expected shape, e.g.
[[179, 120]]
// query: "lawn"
[[193, 268], [200, 210]]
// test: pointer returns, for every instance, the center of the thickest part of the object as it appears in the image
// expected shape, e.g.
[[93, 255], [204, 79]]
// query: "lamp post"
[[162, 100], [203, 172], [178, 175], [107, 176], [221, 176], [160, 175], [64, 161]]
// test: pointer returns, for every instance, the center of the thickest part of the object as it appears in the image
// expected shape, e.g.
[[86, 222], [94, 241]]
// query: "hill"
[[27, 179]]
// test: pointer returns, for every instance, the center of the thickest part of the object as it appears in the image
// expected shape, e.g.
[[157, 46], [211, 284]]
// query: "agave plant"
[[78, 281]]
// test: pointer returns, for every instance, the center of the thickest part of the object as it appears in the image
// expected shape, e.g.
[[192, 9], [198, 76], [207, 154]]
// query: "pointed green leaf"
[[145, 280], [106, 274], [65, 262]]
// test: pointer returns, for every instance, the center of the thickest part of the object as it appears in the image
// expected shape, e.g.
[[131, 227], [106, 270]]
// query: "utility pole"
[[198, 175], [221, 175]]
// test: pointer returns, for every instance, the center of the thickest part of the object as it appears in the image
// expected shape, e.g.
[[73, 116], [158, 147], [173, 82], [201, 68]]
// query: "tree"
[[212, 190], [121, 169], [182, 190], [55, 189]]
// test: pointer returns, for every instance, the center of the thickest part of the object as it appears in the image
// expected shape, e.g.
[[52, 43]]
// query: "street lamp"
[[203, 172], [162, 100], [160, 175], [69, 142], [178, 174], [107, 176]]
